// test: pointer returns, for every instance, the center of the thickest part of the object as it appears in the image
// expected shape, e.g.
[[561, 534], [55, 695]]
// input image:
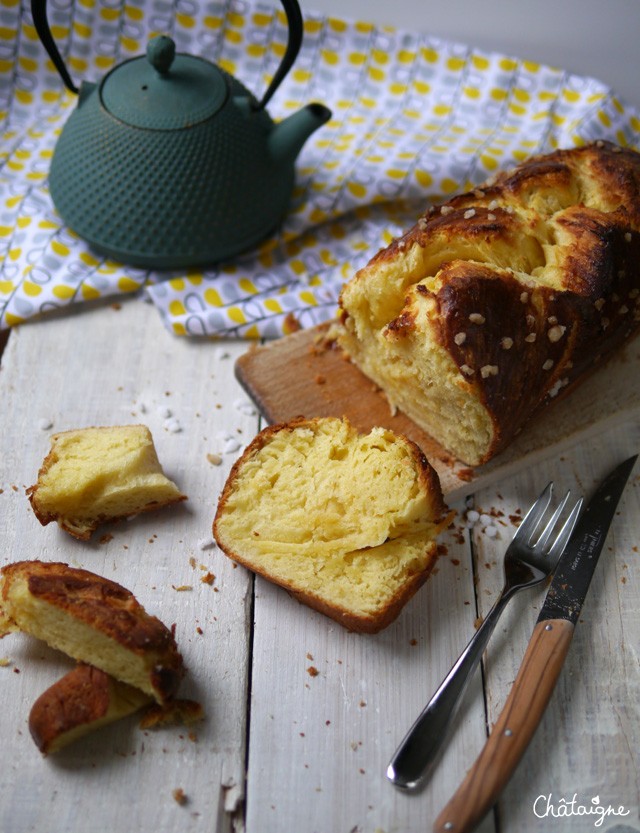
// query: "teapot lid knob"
[[161, 51]]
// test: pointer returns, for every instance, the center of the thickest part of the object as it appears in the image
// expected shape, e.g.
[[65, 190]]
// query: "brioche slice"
[[92, 619], [345, 522], [93, 475], [84, 700], [502, 300]]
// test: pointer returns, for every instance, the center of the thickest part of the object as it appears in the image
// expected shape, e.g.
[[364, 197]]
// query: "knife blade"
[[541, 664]]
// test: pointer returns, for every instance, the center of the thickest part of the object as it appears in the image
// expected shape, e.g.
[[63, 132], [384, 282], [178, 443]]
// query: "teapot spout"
[[288, 136]]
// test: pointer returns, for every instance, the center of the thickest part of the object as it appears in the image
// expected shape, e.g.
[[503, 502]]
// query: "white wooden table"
[[301, 716]]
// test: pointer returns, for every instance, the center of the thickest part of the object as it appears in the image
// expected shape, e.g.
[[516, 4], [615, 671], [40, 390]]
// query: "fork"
[[527, 562]]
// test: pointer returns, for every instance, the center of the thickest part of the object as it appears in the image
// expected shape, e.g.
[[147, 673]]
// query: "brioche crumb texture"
[[345, 521], [93, 475], [75, 638]]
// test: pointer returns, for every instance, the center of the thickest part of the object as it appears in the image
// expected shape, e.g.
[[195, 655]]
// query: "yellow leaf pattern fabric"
[[415, 119]]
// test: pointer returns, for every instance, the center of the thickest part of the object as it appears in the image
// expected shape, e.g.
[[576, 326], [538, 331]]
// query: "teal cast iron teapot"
[[170, 162]]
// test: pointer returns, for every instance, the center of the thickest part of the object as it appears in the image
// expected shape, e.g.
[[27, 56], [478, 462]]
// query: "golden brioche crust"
[[349, 619], [82, 701], [524, 285], [421, 545], [107, 608]]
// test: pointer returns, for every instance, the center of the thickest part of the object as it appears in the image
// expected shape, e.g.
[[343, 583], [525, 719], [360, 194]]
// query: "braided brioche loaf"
[[503, 298]]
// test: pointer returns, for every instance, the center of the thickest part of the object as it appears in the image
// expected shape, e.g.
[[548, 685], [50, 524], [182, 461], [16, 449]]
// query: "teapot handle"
[[294, 42], [39, 14]]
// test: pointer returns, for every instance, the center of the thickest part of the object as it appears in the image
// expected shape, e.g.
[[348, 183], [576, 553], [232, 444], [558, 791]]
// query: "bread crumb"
[[179, 796], [214, 459], [312, 671], [182, 587], [291, 323], [208, 578], [5, 662], [476, 318], [177, 712]]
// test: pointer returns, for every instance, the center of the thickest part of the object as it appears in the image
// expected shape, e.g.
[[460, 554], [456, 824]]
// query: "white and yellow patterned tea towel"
[[414, 120]]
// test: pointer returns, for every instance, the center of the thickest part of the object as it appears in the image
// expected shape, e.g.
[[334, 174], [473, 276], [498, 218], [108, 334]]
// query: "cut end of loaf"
[[346, 522]]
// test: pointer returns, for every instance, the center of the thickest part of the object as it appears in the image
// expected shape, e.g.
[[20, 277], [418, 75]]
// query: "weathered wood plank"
[[319, 743], [587, 741], [328, 707], [113, 366]]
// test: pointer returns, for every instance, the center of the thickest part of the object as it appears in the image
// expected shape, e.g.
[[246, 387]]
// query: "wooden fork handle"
[[516, 725]]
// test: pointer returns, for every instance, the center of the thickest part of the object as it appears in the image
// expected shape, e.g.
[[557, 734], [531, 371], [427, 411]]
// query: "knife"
[[541, 663]]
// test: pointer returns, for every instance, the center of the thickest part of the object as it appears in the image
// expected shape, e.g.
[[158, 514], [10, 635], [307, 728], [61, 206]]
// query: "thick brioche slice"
[[504, 298], [92, 619], [346, 522], [93, 475], [84, 700]]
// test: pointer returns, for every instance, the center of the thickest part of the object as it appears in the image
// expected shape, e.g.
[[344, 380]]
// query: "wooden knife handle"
[[518, 721]]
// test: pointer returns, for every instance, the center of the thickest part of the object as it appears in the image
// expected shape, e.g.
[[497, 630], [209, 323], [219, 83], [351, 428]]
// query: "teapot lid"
[[162, 90]]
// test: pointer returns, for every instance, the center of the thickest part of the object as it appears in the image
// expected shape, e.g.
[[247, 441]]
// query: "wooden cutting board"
[[301, 375]]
